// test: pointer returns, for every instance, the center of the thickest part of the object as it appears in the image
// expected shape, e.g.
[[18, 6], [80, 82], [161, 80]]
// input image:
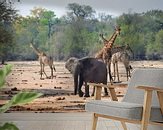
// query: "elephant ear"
[[70, 64], [74, 66]]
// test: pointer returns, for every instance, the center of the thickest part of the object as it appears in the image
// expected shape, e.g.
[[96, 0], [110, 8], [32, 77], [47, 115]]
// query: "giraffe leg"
[[43, 66], [41, 70], [130, 68], [114, 72], [127, 72], [117, 71], [51, 72], [54, 68]]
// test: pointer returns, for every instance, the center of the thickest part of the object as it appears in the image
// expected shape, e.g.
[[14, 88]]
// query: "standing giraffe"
[[122, 56], [105, 53], [44, 60]]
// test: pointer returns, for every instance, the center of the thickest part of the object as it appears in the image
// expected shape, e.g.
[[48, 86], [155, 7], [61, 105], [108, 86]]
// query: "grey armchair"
[[142, 103]]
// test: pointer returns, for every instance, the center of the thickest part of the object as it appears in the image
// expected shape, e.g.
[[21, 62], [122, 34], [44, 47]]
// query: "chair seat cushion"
[[125, 110]]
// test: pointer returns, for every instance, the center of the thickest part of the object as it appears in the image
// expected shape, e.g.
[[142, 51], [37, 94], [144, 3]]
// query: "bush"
[[18, 99]]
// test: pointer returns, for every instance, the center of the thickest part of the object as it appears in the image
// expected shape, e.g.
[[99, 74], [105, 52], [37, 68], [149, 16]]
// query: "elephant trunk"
[[75, 83], [76, 77]]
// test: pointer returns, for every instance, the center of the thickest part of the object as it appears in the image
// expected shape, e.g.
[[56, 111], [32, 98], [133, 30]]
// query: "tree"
[[159, 42], [81, 20], [39, 25], [80, 11], [140, 30], [7, 16]]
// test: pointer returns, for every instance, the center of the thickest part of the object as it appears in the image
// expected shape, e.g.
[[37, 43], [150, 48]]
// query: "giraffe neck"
[[112, 39], [38, 52], [111, 36]]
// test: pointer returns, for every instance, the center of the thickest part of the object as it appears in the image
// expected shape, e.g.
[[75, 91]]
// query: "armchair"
[[142, 103]]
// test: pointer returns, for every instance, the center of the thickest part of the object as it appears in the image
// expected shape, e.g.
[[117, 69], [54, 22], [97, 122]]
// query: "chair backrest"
[[144, 77]]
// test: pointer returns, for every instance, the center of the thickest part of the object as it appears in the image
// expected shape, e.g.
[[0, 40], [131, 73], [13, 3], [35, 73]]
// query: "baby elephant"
[[86, 70]]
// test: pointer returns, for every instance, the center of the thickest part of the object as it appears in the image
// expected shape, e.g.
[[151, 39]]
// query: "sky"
[[112, 7]]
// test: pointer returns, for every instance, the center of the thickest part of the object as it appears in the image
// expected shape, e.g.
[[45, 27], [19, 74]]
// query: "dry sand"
[[58, 92]]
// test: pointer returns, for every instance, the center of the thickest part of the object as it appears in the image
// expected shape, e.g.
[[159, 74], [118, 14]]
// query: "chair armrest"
[[148, 100], [98, 85], [148, 88], [109, 85], [98, 88]]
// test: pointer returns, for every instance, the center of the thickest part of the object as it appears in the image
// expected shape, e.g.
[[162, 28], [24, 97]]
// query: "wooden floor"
[[57, 121]]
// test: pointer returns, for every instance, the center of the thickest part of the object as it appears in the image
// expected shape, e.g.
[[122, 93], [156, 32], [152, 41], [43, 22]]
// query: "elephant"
[[85, 70]]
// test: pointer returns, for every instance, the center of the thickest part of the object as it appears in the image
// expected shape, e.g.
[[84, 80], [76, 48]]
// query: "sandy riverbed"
[[58, 92]]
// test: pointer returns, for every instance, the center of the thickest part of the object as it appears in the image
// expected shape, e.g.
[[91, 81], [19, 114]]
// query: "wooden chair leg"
[[94, 122], [113, 94], [124, 125], [160, 98], [97, 93], [146, 109]]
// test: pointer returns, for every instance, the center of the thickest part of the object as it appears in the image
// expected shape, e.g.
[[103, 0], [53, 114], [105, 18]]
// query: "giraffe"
[[105, 52], [44, 60], [122, 56]]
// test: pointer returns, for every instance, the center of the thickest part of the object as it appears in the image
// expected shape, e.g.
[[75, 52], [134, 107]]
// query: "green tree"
[[159, 42], [36, 27], [80, 11], [79, 32], [7, 16], [140, 30]]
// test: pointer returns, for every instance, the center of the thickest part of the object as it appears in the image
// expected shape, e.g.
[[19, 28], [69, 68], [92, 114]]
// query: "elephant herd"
[[86, 70]]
